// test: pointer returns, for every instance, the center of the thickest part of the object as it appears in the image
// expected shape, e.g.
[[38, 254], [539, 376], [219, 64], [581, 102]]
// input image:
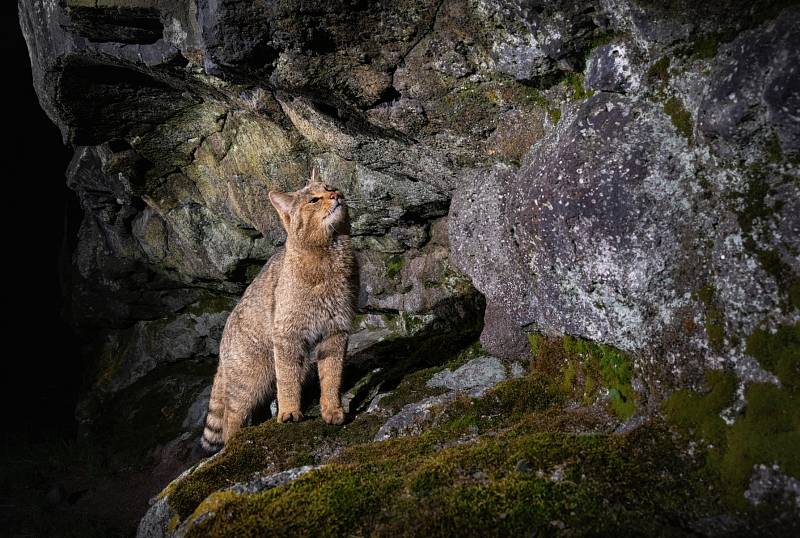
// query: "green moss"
[[773, 150], [394, 265], [535, 97], [412, 323], [580, 369], [574, 82], [778, 352], [358, 319], [504, 464], [705, 47], [535, 342], [699, 412], [636, 483], [681, 118], [768, 431], [755, 208], [411, 389], [659, 71], [714, 320], [266, 448], [614, 368]]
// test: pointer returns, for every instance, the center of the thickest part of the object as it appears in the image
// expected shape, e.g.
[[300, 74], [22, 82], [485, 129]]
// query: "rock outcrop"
[[620, 176]]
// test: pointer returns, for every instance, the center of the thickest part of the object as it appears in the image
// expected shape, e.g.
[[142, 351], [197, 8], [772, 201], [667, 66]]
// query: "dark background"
[[41, 365]]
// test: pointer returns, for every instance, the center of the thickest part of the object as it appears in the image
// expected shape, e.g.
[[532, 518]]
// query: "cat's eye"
[[313, 200]]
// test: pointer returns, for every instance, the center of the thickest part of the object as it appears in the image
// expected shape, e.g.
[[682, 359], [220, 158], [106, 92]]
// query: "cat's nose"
[[335, 195]]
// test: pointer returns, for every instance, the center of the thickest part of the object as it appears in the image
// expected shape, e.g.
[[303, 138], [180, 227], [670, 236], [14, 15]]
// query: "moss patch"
[[659, 71], [768, 431], [714, 320], [756, 206], [394, 265], [705, 47], [681, 118], [778, 352], [535, 97], [574, 82], [268, 448], [773, 150], [412, 388], [515, 461], [582, 369], [522, 476], [211, 304]]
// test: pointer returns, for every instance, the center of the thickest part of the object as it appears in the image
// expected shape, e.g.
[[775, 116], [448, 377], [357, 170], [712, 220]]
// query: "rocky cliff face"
[[622, 172]]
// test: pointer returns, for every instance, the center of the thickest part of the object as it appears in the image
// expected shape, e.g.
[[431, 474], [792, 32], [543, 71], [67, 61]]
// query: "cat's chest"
[[323, 297]]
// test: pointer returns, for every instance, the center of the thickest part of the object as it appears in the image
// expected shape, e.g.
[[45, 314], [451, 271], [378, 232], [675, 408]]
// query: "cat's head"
[[312, 215]]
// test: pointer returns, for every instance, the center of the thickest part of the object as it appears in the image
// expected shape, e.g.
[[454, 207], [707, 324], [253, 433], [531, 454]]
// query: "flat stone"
[[481, 372]]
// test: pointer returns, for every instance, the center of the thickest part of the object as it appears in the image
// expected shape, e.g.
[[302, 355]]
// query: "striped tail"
[[212, 439]]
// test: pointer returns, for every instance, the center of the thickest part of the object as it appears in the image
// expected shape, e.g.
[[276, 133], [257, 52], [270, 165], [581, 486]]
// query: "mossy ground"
[[536, 453], [521, 459], [768, 430], [272, 447], [500, 465]]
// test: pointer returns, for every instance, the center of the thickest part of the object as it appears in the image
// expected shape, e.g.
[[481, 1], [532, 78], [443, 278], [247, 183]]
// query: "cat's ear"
[[283, 203]]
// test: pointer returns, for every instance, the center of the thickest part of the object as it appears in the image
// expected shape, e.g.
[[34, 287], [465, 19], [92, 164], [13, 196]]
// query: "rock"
[[413, 417], [155, 523], [479, 373], [196, 415], [473, 379], [753, 90], [770, 482], [598, 268], [375, 404], [260, 483], [610, 68], [531, 43], [600, 248], [363, 392]]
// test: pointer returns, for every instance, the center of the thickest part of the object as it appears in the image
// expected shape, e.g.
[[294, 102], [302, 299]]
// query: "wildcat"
[[299, 308]]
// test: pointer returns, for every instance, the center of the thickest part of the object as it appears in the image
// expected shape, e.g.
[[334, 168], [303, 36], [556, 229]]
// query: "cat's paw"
[[333, 415], [290, 416]]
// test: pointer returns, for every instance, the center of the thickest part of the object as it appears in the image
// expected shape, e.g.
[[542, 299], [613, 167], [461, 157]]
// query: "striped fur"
[[212, 433], [299, 307]]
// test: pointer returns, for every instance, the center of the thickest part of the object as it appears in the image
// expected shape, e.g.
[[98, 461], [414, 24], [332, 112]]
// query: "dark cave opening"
[[43, 371]]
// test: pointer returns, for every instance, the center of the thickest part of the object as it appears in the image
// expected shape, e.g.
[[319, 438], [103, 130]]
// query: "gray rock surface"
[[413, 417], [479, 373], [632, 224], [261, 483], [472, 379]]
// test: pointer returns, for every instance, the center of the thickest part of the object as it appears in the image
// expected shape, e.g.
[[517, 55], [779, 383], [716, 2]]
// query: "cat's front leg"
[[330, 359], [289, 370]]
